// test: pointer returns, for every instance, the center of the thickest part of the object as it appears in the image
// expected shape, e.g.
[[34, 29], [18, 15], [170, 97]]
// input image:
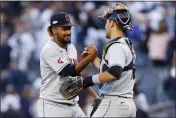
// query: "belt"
[[102, 96], [63, 103], [68, 104]]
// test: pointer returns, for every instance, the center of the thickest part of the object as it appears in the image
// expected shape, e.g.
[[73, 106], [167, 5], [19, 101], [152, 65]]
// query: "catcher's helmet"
[[119, 13]]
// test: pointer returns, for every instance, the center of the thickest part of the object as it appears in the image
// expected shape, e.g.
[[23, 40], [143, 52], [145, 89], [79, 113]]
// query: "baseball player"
[[117, 68], [58, 60]]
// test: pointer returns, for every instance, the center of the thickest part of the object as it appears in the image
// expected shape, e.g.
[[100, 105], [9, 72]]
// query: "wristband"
[[95, 79], [87, 82]]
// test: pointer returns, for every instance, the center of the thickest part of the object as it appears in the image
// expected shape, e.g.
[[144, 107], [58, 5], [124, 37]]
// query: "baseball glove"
[[71, 86]]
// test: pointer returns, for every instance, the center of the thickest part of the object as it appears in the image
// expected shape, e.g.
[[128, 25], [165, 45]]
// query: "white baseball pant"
[[114, 106], [47, 108]]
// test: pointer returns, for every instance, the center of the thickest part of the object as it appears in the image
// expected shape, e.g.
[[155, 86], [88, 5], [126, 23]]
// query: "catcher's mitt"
[[71, 86]]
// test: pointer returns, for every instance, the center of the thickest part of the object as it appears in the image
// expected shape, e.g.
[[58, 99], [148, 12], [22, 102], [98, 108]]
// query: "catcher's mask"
[[119, 13]]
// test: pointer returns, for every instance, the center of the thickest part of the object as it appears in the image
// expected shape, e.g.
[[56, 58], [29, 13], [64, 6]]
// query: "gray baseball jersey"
[[118, 54], [52, 60]]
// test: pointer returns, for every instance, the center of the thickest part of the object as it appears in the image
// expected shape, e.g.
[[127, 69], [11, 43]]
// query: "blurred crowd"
[[24, 32]]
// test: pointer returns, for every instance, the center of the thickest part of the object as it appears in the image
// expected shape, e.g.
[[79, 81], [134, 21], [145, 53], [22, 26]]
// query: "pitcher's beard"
[[62, 40], [66, 42]]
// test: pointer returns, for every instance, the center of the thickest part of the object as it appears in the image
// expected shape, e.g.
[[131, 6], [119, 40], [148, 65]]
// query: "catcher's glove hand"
[[95, 106], [71, 86]]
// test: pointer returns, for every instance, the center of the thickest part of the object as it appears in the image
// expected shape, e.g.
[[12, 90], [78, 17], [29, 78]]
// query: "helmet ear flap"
[[123, 17], [124, 20], [128, 27]]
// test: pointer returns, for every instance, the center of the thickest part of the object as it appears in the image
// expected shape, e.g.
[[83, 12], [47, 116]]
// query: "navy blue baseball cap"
[[61, 19]]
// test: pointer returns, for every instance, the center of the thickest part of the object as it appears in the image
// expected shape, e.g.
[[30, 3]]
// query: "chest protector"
[[132, 65]]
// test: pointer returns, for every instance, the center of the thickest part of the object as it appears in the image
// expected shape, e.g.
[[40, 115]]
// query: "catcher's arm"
[[96, 62]]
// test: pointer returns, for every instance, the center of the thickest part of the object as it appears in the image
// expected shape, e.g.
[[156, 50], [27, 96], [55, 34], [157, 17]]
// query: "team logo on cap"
[[67, 18], [54, 22]]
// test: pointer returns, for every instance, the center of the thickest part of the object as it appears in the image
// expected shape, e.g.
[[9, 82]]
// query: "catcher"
[[117, 68]]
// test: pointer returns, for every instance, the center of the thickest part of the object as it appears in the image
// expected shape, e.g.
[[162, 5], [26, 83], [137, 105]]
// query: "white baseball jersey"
[[118, 54], [52, 60]]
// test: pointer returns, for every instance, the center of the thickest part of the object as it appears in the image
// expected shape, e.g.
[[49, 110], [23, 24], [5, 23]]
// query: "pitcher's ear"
[[49, 29], [54, 30]]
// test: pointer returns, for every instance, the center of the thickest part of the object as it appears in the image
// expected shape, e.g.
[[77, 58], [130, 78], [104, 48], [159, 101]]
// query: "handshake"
[[90, 52]]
